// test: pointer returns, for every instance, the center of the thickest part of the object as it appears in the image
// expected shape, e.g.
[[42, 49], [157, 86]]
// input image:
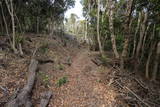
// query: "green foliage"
[[44, 48], [108, 45], [103, 59], [61, 67], [62, 81], [119, 41], [36, 14], [99, 81], [158, 28], [45, 78], [19, 38]]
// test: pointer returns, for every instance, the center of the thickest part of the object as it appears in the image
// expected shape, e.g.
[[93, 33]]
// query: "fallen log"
[[22, 98], [97, 61], [45, 99], [108, 61]]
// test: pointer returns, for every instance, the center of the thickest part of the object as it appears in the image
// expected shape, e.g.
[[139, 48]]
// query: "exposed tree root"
[[45, 99], [22, 98]]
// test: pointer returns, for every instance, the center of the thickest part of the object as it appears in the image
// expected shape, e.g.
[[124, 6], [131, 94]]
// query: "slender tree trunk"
[[19, 44], [11, 12], [86, 31], [127, 32], [156, 62], [5, 23], [98, 33], [150, 52], [104, 41], [1, 23], [111, 27], [37, 25], [20, 27], [135, 36], [13, 28], [142, 32], [63, 29], [148, 60], [52, 28], [144, 41], [20, 49], [74, 27]]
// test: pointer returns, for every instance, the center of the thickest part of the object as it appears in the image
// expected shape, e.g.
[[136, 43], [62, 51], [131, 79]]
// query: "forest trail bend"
[[83, 88]]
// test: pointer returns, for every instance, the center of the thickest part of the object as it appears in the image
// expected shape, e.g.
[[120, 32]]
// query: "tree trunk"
[[98, 34], [148, 60], [52, 27], [11, 12], [144, 41], [6, 26], [37, 25], [156, 62], [13, 28], [104, 41], [111, 27], [20, 49], [127, 32], [86, 31], [150, 53], [135, 36], [142, 32], [1, 23], [20, 27]]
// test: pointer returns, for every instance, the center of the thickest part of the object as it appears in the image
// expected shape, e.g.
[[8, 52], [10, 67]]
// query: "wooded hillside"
[[111, 58], [130, 28]]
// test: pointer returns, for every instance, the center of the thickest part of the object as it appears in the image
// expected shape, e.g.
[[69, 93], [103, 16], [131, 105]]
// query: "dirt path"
[[83, 88]]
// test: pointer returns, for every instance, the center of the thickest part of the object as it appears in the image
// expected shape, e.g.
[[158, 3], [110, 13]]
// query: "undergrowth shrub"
[[103, 59], [62, 81], [19, 38], [61, 67], [44, 48], [119, 42], [44, 79]]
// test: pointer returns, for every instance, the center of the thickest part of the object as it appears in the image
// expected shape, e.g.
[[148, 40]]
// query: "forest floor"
[[73, 77], [83, 88]]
